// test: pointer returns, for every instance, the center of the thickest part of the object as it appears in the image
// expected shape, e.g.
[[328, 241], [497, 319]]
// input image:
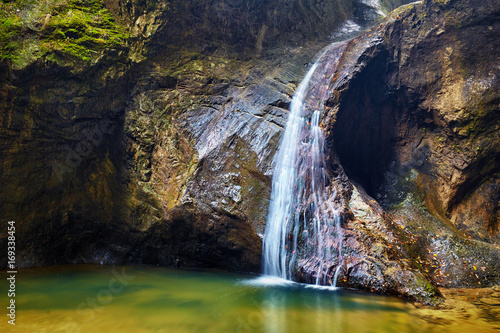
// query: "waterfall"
[[302, 222]]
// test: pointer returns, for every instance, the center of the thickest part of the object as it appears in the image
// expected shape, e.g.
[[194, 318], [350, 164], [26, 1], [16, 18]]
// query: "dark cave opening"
[[367, 127]]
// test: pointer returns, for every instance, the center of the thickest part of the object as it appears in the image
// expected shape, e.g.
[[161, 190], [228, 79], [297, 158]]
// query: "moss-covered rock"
[[61, 31]]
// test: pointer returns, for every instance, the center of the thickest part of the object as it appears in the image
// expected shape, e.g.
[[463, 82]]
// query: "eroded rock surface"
[[403, 126]]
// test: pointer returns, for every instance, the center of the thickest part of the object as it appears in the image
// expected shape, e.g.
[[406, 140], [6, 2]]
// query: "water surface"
[[89, 298]]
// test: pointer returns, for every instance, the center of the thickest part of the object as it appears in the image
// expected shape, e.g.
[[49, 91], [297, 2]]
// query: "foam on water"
[[274, 281], [268, 281]]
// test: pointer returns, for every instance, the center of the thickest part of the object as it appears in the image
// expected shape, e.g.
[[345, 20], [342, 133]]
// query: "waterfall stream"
[[303, 227], [302, 223]]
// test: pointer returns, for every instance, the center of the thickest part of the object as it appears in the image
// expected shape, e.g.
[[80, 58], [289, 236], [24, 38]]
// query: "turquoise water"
[[89, 298]]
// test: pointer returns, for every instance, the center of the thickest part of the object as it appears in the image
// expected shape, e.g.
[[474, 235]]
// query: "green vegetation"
[[389, 5], [57, 29]]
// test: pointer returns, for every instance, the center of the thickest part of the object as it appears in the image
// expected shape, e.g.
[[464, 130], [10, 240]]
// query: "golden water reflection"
[[88, 298]]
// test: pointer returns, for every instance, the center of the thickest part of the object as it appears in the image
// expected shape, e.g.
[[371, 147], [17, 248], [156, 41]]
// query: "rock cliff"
[[416, 127], [159, 150]]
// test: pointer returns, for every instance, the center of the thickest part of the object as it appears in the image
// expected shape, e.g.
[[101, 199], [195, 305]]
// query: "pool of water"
[[88, 298]]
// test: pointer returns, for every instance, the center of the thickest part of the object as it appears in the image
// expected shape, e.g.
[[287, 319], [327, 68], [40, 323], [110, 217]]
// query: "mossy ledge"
[[62, 31]]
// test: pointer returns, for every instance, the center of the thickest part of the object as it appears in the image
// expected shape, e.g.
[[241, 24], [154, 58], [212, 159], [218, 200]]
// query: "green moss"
[[56, 29], [389, 5], [442, 2], [428, 288]]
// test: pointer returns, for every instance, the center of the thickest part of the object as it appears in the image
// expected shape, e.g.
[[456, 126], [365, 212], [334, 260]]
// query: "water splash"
[[302, 221], [375, 4]]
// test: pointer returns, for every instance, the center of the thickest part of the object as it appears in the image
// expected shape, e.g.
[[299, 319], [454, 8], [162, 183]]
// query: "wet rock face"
[[242, 27], [417, 127], [203, 149], [100, 159], [166, 156], [167, 162], [190, 238], [420, 198], [237, 25], [60, 160], [393, 130]]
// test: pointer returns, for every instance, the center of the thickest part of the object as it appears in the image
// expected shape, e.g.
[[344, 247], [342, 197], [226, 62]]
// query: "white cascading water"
[[301, 216], [375, 4]]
